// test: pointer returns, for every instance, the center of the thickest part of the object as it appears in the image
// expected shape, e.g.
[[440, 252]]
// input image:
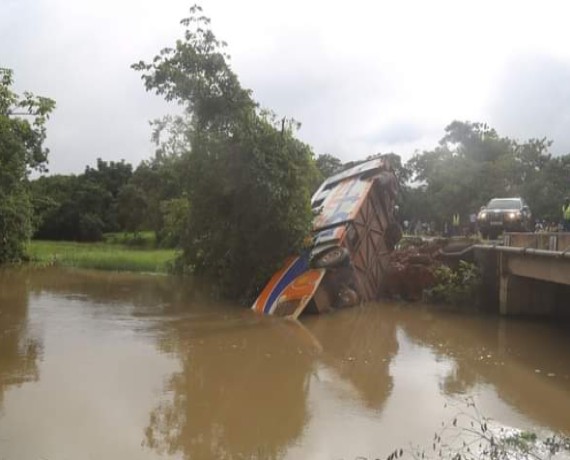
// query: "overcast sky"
[[362, 76]]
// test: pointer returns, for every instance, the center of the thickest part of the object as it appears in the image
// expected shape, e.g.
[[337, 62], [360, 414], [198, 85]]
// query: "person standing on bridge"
[[566, 215], [455, 224]]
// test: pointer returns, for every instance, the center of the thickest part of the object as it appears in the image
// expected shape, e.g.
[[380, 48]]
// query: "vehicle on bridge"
[[354, 231], [504, 214]]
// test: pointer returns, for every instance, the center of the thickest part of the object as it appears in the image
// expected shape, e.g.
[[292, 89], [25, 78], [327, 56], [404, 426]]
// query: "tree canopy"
[[247, 178], [81, 207], [22, 134], [473, 164]]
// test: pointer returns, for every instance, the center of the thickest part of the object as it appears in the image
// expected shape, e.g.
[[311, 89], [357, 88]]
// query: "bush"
[[458, 286]]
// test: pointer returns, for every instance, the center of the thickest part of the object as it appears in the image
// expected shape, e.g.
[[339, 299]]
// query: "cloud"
[[399, 132], [362, 78], [80, 55], [532, 100]]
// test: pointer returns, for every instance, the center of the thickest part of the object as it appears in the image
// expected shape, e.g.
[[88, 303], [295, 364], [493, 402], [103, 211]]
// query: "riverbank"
[[101, 256]]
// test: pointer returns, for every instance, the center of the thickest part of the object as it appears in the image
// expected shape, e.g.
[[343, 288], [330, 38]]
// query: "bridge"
[[529, 271]]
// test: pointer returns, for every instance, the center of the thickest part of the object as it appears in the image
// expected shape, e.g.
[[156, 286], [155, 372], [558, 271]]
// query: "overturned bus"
[[354, 231]]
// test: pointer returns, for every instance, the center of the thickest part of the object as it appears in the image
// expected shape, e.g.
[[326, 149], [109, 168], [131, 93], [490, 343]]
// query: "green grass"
[[101, 256]]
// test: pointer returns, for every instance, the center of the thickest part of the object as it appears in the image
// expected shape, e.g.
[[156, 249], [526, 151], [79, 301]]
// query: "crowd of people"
[[543, 226]]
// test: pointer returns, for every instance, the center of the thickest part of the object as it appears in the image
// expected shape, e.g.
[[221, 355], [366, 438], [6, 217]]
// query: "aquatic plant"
[[469, 435]]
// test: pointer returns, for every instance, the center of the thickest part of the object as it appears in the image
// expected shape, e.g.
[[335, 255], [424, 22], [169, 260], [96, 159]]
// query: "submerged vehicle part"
[[354, 231]]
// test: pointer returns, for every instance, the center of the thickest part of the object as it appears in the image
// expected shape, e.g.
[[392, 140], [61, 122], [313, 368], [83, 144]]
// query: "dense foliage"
[[473, 164], [22, 133], [82, 207], [162, 181], [247, 178]]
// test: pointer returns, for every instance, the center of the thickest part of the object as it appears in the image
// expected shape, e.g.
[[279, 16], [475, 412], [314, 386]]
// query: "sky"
[[362, 77]]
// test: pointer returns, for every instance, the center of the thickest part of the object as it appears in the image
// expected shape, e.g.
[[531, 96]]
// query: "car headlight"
[[512, 215], [483, 215]]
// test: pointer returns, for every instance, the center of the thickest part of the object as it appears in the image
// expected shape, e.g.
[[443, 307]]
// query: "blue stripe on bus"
[[300, 266]]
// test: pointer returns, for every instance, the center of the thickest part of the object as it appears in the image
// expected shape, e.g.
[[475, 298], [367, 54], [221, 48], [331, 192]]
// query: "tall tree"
[[22, 134], [111, 177], [248, 178]]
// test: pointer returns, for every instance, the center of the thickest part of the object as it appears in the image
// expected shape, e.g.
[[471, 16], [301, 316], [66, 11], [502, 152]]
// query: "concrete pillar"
[[514, 295], [488, 263], [526, 296], [525, 293]]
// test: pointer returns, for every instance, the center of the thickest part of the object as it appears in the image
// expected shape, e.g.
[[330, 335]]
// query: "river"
[[97, 365]]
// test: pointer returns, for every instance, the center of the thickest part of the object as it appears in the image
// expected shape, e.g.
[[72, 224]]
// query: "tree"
[[248, 179], [131, 208], [546, 190], [110, 176], [21, 151], [69, 208], [328, 165], [473, 164], [175, 213], [80, 207], [402, 171], [161, 179]]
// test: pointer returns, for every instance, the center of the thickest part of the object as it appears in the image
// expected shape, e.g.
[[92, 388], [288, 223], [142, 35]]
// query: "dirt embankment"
[[414, 263]]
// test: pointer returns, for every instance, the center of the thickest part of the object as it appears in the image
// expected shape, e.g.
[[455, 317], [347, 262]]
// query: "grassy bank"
[[101, 256]]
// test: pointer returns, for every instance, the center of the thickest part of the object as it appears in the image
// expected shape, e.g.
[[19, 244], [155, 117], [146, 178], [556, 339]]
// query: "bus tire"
[[334, 257]]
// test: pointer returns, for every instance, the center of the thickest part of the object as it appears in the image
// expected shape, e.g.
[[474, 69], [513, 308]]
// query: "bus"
[[354, 231]]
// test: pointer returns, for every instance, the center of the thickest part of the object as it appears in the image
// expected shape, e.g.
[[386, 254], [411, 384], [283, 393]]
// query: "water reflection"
[[526, 362], [359, 347], [238, 395], [19, 349], [244, 381], [151, 295]]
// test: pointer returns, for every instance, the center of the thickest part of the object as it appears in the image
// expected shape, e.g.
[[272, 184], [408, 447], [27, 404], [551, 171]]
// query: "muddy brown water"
[[98, 365]]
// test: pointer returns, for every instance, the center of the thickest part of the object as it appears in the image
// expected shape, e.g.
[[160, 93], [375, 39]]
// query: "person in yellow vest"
[[566, 215], [455, 224]]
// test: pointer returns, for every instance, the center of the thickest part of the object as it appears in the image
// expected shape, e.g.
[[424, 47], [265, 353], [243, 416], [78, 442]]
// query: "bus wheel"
[[331, 258]]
